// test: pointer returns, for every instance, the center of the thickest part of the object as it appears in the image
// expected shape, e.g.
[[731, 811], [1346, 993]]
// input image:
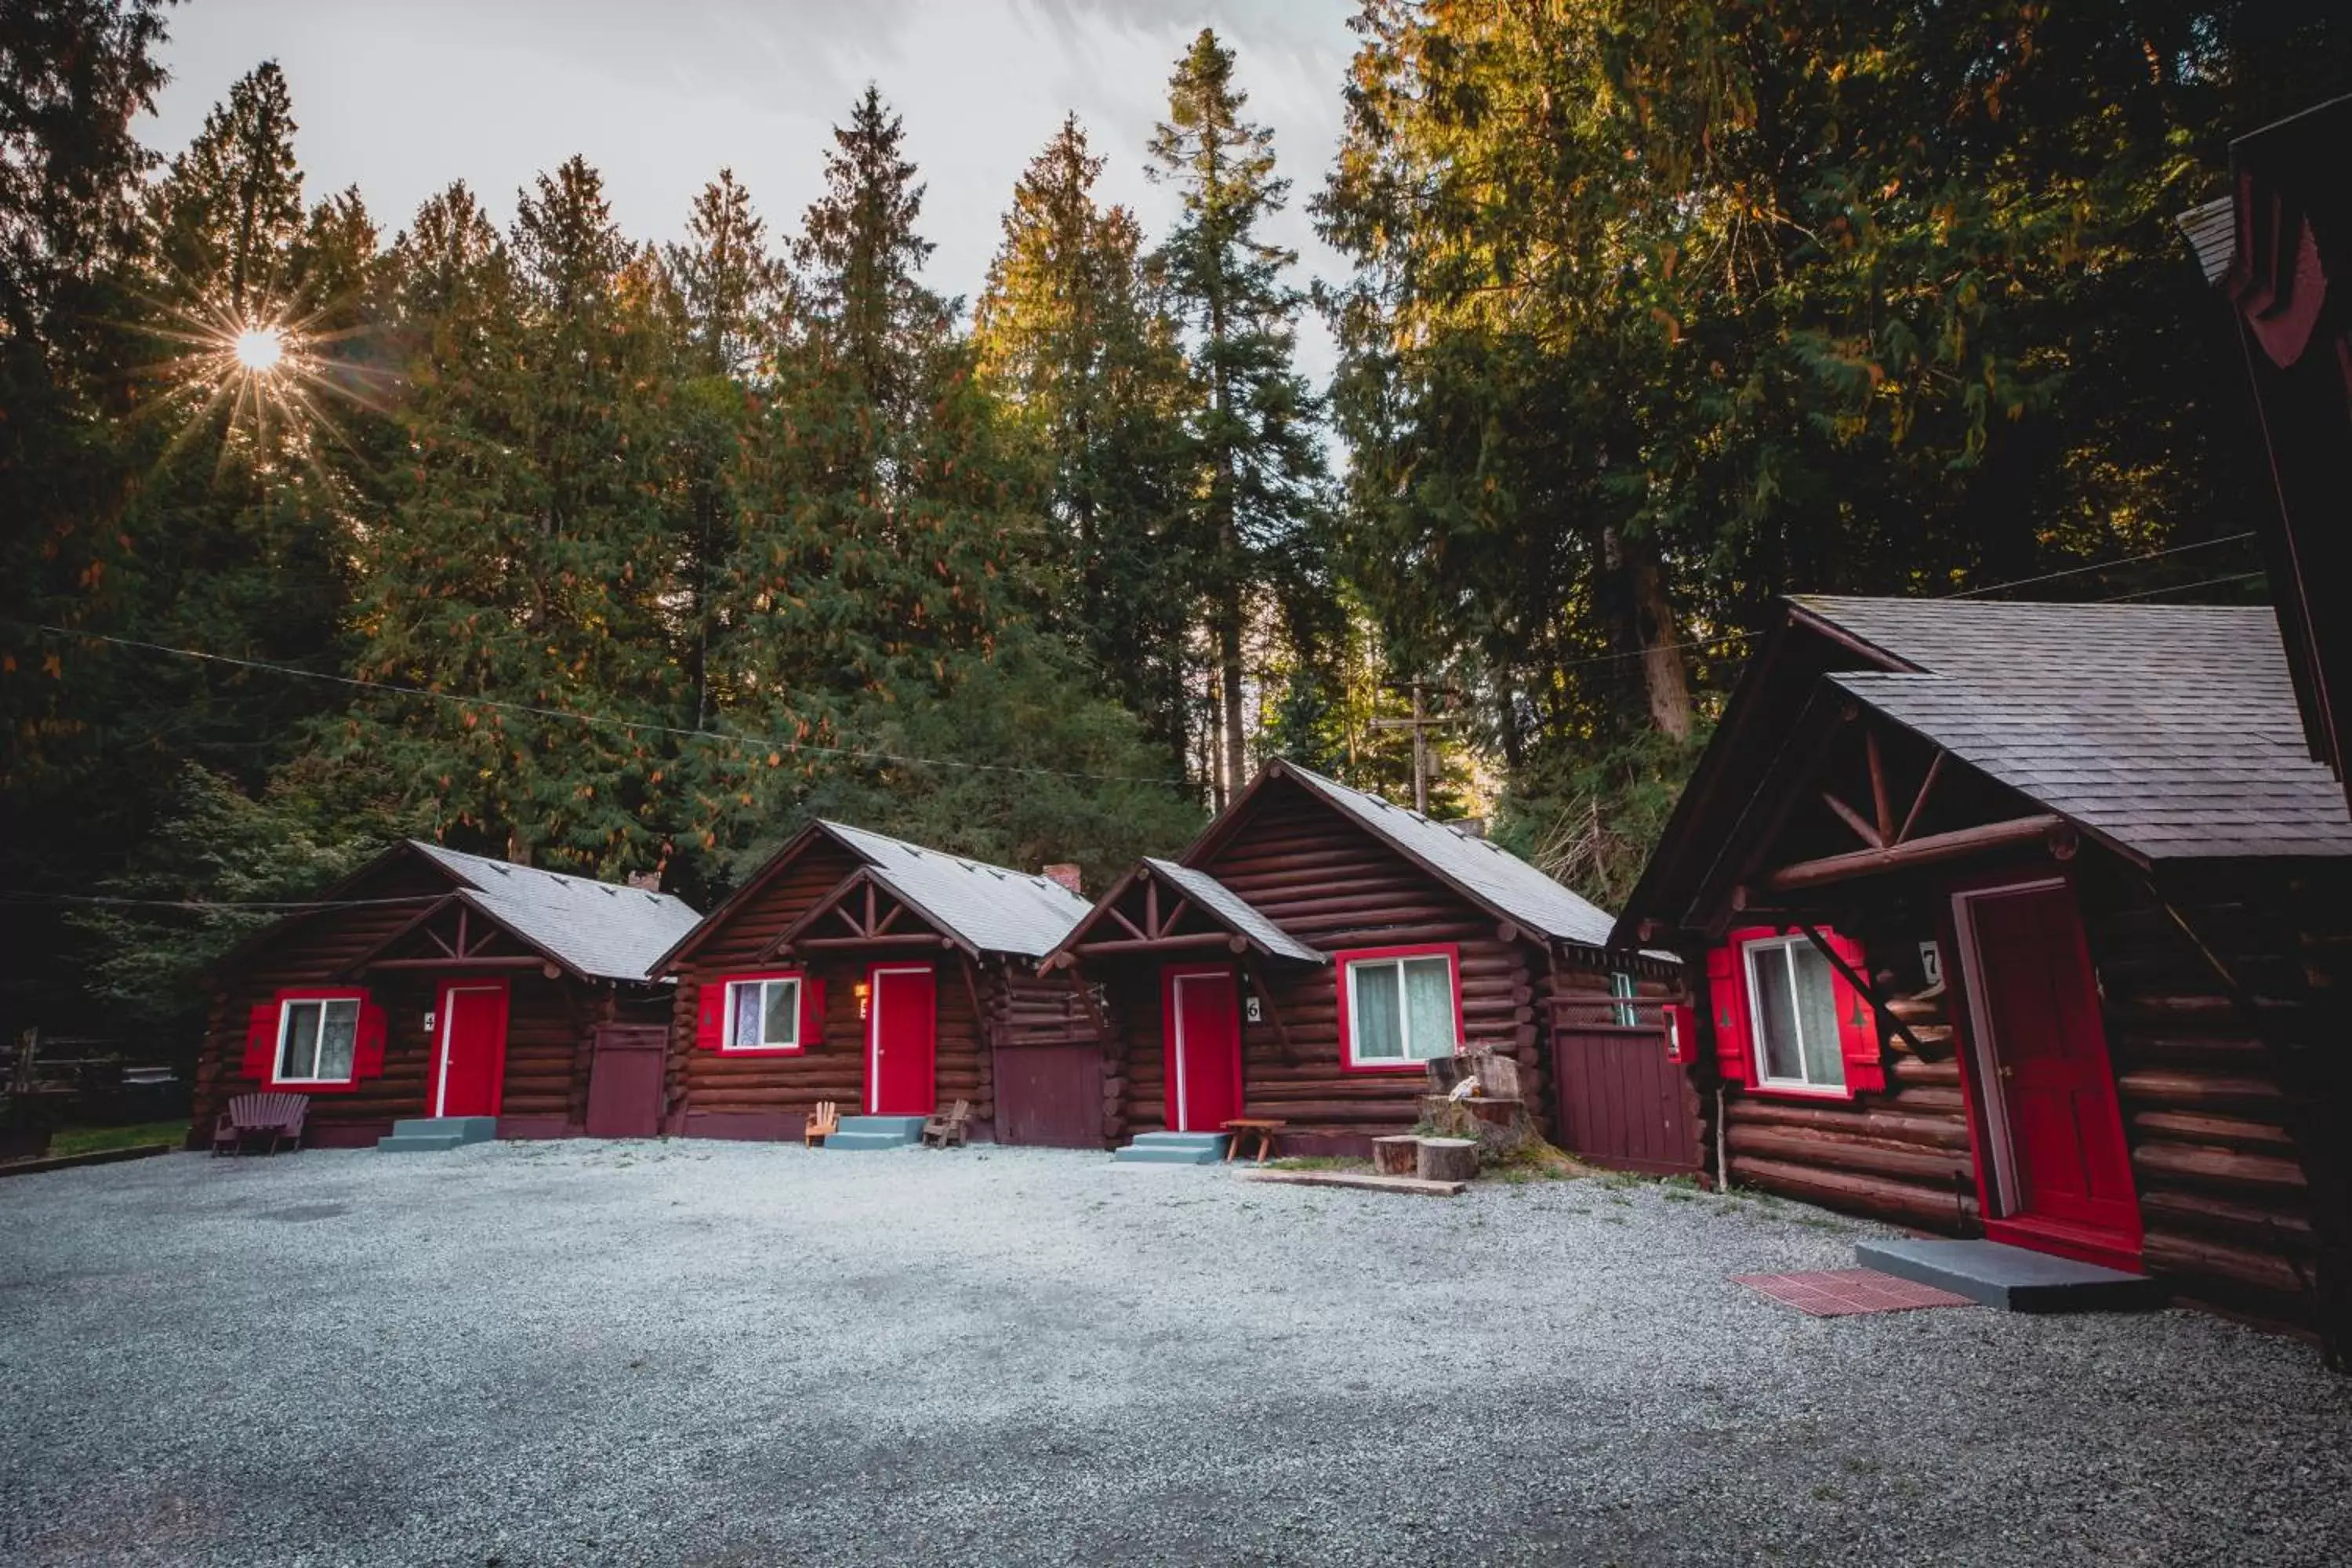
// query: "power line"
[[2099, 566], [1727, 638], [202, 905], [634, 725], [2181, 587]]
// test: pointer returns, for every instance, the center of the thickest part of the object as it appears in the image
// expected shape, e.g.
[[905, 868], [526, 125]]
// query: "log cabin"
[[2022, 921], [436, 984], [885, 978], [1317, 946]]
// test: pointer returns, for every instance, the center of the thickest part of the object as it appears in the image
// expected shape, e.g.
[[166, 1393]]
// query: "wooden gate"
[[1623, 1099], [1050, 1095], [624, 1080]]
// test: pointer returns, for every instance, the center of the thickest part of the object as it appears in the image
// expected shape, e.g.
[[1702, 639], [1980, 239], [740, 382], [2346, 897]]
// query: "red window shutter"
[[711, 1015], [1682, 1033], [1727, 1001], [1857, 1021], [367, 1049], [261, 1040], [811, 1011]]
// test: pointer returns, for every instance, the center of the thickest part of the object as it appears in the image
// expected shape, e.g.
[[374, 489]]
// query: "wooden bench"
[[823, 1125], [251, 1118], [953, 1129], [1261, 1129]]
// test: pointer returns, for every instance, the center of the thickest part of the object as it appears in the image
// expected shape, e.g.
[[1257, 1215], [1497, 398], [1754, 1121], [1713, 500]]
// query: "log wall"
[[1903, 1155], [2223, 1187], [551, 1024], [1335, 886]]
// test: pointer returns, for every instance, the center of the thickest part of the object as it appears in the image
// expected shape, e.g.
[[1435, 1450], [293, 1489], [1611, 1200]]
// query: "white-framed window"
[[1621, 993], [1401, 1009], [1792, 1014], [318, 1038], [764, 1014]]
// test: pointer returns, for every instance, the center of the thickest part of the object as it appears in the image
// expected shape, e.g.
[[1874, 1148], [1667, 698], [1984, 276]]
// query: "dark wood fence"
[[624, 1081], [1623, 1099], [1050, 1095]]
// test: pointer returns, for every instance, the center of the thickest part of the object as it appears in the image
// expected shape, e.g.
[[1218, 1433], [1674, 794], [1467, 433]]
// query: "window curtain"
[[784, 1005], [1429, 1003], [338, 1035], [1378, 1023], [747, 1016], [1817, 1007]]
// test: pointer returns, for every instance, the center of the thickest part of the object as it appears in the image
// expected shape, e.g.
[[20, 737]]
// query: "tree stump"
[[1497, 1075], [1447, 1160], [1500, 1127], [1396, 1156]]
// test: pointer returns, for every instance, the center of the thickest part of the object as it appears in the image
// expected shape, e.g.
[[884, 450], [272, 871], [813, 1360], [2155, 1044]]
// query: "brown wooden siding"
[[1335, 887], [549, 1023]]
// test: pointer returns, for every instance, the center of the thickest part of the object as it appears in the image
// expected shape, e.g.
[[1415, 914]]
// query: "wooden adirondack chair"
[[823, 1124], [252, 1119], [950, 1130]]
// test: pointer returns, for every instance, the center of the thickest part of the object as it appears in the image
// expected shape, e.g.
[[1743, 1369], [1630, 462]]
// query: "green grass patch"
[[98, 1140], [1318, 1163]]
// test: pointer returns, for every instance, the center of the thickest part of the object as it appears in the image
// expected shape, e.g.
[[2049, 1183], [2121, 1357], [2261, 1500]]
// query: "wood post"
[[1396, 1156]]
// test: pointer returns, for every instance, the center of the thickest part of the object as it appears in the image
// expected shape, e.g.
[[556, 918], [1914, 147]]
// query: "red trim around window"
[[718, 1024], [1340, 961], [1858, 1052], [367, 1043]]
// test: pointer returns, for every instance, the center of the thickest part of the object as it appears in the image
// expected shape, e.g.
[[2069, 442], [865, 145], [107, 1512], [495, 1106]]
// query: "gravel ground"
[[590, 1354]]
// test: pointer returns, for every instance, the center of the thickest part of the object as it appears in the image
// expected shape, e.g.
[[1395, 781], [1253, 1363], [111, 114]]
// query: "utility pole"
[[1420, 723]]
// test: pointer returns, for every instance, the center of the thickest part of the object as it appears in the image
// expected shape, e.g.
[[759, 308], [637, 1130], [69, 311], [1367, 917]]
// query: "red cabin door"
[[471, 1049], [1201, 1025], [2065, 1184], [902, 1041]]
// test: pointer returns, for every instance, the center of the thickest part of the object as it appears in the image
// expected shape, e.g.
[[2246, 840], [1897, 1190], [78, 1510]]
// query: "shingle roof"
[[1486, 871], [2170, 731], [991, 908], [1234, 911], [601, 930]]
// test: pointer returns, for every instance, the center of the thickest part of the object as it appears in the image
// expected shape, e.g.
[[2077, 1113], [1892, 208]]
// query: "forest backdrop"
[[626, 558]]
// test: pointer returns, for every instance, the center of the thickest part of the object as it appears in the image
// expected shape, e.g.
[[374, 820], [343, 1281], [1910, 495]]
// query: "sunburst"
[[263, 374]]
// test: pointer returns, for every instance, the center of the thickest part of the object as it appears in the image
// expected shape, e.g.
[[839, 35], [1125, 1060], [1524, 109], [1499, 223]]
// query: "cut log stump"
[[1447, 1159], [1396, 1156], [1500, 1127]]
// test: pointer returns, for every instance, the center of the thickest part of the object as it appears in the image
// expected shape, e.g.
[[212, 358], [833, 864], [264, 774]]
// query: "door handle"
[[2009, 1072]]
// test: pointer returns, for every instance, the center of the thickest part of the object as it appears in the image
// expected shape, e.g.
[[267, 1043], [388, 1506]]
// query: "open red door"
[[2062, 1167], [1201, 1027], [902, 1041]]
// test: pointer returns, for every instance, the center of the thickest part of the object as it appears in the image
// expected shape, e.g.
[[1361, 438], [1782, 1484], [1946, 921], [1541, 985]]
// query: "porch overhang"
[[866, 912], [1159, 908]]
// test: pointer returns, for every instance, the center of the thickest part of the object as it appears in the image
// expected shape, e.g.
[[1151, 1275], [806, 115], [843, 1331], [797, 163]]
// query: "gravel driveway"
[[585, 1354]]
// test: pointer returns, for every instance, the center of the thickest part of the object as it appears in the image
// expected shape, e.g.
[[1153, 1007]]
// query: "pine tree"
[[1089, 370], [1257, 461], [524, 559]]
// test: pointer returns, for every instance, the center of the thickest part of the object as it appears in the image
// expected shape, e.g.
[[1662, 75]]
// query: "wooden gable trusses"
[[455, 933], [862, 913], [1888, 841]]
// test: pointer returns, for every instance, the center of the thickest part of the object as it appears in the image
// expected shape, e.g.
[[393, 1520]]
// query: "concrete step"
[[1173, 1149], [430, 1134], [419, 1143], [877, 1133], [2012, 1279]]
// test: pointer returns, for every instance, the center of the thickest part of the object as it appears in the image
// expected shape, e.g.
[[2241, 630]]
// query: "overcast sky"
[[400, 98]]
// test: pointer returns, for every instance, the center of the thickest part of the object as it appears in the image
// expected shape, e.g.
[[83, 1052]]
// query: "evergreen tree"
[[1257, 462], [75, 783], [1095, 387], [523, 561]]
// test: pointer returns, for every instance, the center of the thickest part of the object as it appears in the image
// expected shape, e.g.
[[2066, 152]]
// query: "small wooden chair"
[[252, 1118], [821, 1126], [1262, 1129], [951, 1130]]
